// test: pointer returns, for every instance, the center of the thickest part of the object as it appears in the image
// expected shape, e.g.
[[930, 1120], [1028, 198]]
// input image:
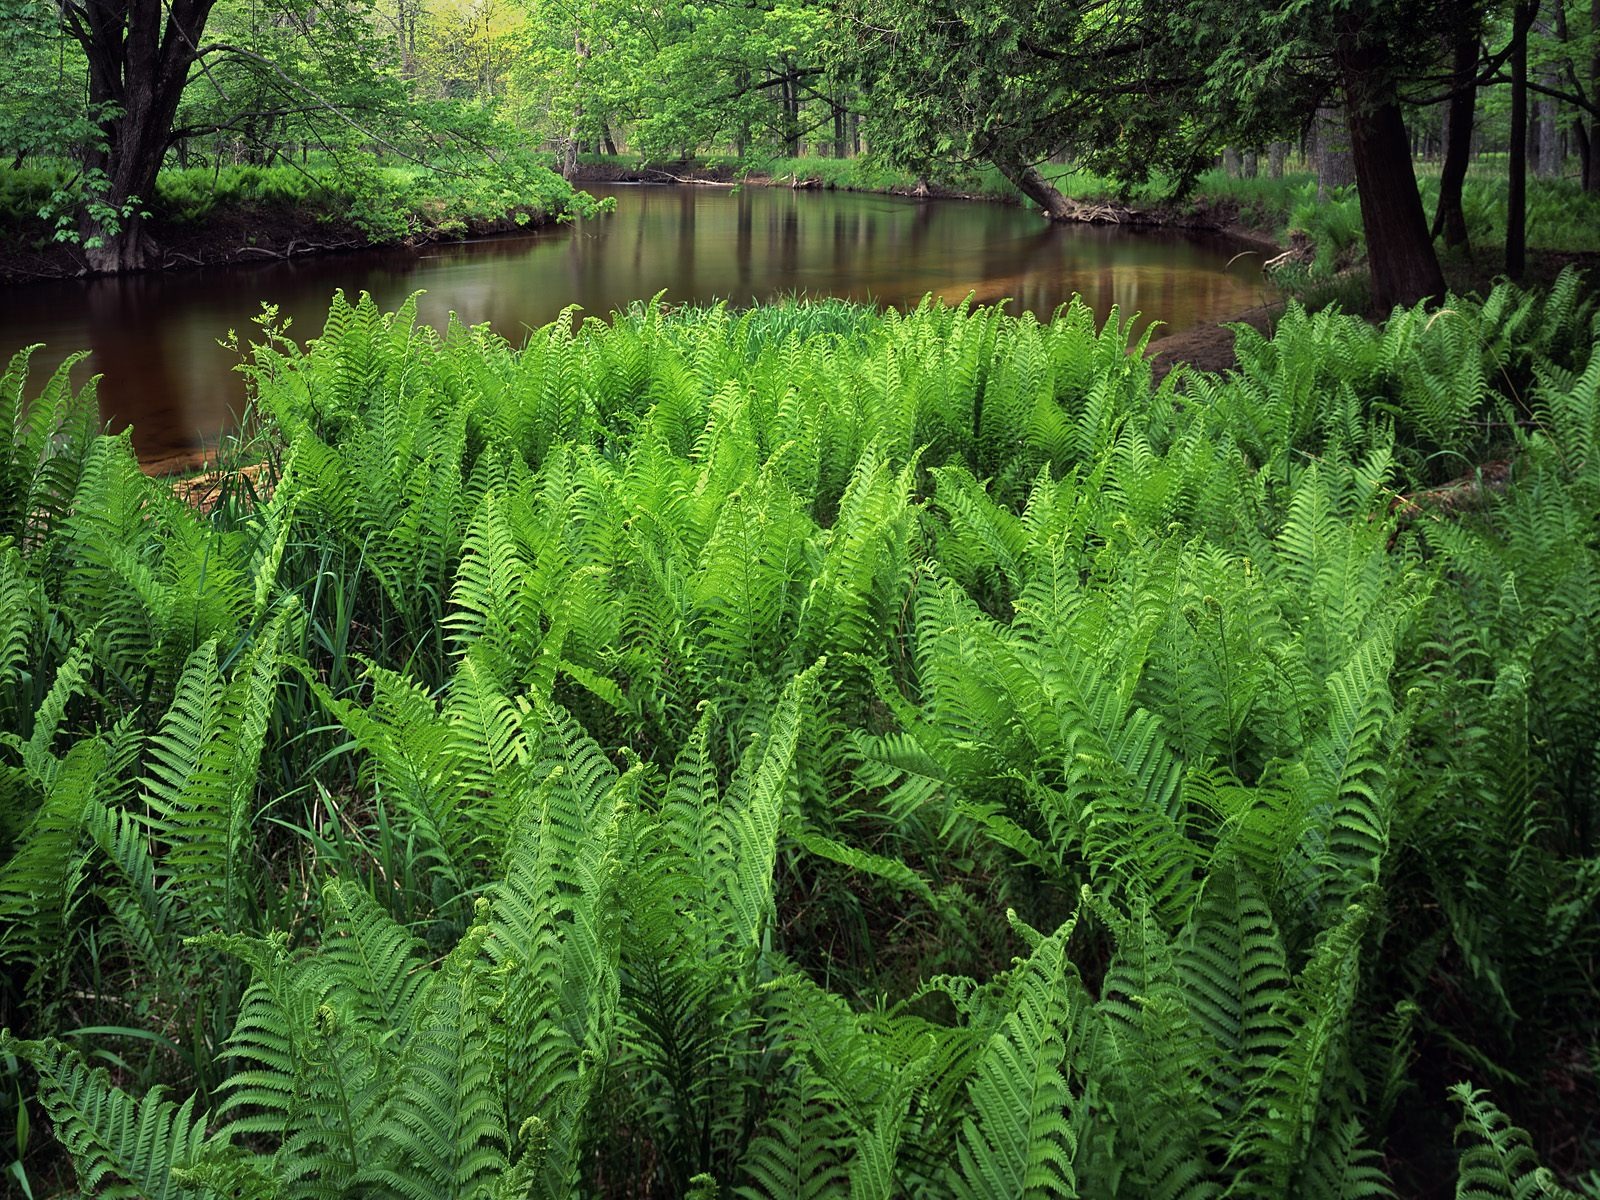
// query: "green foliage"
[[1333, 224], [1498, 1161], [606, 763]]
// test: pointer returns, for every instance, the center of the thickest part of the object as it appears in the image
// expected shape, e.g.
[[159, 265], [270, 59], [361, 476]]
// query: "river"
[[154, 337]]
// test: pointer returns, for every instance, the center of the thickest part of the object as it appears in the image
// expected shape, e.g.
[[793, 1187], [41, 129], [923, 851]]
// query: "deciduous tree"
[[1126, 86]]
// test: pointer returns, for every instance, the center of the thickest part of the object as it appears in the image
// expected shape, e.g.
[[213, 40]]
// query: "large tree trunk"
[[1517, 182], [138, 53], [1400, 256], [1449, 220]]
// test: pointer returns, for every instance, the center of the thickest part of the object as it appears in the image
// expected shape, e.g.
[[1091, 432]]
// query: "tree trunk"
[[1277, 155], [1230, 162], [1546, 161], [1517, 182], [838, 129], [1591, 174], [573, 145], [1449, 220], [741, 131], [1037, 188], [138, 54], [791, 113], [1547, 155], [1400, 256], [1331, 152]]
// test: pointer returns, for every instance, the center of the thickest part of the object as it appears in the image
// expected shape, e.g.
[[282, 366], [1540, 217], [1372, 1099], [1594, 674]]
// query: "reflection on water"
[[154, 337]]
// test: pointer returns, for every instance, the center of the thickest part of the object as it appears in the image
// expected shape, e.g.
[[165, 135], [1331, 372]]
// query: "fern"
[[1497, 1163], [121, 1146], [202, 773], [1020, 1139]]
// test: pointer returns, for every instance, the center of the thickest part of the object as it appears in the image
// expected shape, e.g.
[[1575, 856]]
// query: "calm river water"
[[154, 337]]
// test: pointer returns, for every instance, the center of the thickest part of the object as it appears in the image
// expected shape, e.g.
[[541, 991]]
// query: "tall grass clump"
[[814, 752]]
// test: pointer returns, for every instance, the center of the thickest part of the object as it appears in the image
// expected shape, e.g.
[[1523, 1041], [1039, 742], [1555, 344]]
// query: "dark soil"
[[235, 235], [1208, 347]]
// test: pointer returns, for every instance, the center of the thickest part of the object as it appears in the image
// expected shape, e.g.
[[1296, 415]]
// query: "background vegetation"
[[443, 114]]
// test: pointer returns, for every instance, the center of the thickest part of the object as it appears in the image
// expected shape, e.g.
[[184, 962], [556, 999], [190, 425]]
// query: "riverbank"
[[249, 214], [1256, 222], [245, 235]]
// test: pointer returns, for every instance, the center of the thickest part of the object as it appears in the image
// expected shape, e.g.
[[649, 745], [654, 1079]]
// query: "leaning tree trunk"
[[1037, 188], [1449, 219], [138, 54], [1400, 256]]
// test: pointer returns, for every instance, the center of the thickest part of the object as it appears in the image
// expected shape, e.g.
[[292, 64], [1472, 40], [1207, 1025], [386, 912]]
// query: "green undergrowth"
[[386, 201], [860, 174], [810, 752]]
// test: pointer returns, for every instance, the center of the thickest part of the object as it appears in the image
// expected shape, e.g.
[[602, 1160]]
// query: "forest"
[[809, 748]]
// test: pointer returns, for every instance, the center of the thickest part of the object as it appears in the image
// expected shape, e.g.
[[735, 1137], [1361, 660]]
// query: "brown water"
[[154, 337]]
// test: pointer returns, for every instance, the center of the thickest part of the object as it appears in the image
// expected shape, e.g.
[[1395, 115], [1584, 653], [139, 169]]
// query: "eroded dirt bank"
[[239, 235]]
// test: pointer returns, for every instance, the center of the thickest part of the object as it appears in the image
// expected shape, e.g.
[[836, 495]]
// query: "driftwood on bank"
[[688, 180]]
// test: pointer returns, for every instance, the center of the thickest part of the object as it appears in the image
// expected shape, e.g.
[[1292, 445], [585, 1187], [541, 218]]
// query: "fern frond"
[[1021, 1136], [122, 1148], [1498, 1161]]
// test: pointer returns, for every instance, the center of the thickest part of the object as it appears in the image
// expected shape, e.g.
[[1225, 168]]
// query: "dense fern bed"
[[814, 752]]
